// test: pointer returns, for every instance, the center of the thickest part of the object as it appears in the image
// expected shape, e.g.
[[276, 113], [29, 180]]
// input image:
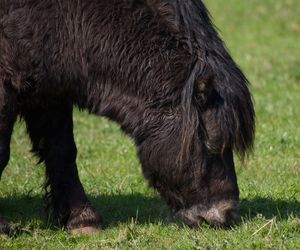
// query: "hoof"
[[85, 230], [4, 226]]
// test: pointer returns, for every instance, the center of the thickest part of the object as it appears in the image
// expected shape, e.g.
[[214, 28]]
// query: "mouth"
[[221, 214]]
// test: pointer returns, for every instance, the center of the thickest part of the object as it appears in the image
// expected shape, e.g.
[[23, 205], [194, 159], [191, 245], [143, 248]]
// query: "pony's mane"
[[190, 22]]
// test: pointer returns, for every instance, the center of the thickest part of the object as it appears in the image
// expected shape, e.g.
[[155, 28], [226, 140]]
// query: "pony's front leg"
[[7, 120], [6, 127], [51, 132]]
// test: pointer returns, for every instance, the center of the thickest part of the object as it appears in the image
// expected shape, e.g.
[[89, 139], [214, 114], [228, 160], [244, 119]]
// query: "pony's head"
[[188, 155]]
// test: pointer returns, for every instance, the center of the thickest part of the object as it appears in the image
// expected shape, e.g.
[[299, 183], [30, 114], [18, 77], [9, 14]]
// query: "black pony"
[[157, 67]]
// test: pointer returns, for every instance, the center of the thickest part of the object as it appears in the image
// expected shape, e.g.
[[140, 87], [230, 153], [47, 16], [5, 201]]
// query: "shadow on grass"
[[115, 209], [269, 208], [118, 209]]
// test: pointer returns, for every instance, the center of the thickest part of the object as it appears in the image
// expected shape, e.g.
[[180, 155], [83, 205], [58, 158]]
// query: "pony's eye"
[[213, 147]]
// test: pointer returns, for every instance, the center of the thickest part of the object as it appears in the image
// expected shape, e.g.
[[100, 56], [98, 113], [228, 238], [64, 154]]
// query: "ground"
[[264, 38]]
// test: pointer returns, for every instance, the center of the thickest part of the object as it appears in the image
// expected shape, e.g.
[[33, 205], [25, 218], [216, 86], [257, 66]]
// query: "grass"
[[263, 37]]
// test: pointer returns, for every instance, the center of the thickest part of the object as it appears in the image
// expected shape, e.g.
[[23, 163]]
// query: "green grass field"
[[264, 38]]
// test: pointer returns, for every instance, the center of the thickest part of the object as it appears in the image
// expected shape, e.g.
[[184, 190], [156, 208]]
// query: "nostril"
[[231, 217]]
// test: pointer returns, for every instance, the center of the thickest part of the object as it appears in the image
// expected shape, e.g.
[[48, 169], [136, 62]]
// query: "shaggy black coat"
[[157, 67]]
